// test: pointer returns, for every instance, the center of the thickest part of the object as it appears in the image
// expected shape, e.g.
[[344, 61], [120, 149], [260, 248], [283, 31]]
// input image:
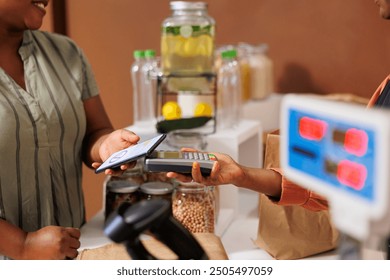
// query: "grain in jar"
[[193, 205]]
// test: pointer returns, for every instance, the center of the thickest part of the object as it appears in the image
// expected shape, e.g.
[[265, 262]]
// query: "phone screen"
[[131, 153]]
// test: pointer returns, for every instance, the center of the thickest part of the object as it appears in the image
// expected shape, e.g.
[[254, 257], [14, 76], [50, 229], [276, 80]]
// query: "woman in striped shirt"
[[52, 120]]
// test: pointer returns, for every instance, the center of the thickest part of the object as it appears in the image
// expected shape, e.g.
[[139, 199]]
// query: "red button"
[[312, 129], [351, 174], [356, 141]]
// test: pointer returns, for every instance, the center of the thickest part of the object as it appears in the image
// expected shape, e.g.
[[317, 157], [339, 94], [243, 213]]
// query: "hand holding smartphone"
[[131, 153]]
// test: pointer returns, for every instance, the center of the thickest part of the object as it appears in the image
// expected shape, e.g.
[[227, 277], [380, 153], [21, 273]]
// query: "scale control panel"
[[341, 151]]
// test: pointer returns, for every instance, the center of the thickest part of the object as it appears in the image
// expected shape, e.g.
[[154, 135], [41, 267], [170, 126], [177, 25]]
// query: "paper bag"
[[291, 232]]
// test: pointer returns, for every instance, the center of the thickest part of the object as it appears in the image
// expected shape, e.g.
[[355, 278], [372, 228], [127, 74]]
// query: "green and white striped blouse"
[[41, 134]]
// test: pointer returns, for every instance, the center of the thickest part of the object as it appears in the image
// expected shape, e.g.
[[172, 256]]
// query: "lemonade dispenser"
[[187, 83]]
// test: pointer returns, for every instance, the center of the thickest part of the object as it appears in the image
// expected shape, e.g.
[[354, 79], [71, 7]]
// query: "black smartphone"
[[179, 162], [131, 153]]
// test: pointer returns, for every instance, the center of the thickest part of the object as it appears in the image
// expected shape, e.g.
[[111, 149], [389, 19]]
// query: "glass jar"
[[119, 192], [187, 39], [193, 205], [156, 190], [123, 188]]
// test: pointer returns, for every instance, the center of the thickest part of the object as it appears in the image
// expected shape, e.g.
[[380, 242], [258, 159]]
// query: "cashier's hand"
[[117, 140], [225, 171], [52, 243]]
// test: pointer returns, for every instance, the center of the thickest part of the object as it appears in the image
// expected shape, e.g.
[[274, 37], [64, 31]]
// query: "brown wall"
[[48, 20], [317, 46]]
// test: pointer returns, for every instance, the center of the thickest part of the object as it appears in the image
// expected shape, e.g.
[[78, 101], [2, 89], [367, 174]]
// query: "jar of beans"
[[193, 205]]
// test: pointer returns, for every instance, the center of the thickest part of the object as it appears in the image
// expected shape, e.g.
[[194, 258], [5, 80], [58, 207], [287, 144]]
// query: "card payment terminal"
[[180, 162]]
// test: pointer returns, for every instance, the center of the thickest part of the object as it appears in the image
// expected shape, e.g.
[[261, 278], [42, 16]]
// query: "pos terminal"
[[341, 151]]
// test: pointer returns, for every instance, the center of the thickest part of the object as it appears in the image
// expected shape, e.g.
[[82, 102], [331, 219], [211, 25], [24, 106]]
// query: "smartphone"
[[179, 162], [131, 153]]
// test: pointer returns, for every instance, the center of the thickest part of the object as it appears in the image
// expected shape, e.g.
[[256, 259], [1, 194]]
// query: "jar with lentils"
[[193, 205]]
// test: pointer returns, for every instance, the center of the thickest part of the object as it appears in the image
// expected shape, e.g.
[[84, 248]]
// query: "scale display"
[[339, 153]]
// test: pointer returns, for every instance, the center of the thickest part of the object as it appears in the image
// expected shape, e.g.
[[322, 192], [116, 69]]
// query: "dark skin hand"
[[52, 242], [47, 243], [226, 171]]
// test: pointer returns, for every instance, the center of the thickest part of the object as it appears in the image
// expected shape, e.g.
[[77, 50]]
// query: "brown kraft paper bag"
[[291, 232]]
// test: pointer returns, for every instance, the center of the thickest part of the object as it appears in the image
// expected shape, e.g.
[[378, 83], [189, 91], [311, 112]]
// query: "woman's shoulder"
[[53, 38]]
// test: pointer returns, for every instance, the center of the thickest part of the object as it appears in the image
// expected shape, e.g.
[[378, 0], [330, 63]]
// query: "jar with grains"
[[261, 72], [193, 205]]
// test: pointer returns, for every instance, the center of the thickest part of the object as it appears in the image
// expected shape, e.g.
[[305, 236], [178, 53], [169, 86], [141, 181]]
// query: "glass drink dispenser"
[[186, 87]]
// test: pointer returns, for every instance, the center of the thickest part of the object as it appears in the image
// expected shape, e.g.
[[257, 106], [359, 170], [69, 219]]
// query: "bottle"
[[244, 55], [187, 39], [143, 72], [137, 81], [229, 90], [148, 89]]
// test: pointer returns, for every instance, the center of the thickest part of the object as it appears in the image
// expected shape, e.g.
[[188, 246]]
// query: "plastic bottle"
[[229, 90], [137, 81], [147, 101]]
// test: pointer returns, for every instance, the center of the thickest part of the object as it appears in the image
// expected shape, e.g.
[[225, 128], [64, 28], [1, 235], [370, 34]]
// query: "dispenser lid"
[[183, 5]]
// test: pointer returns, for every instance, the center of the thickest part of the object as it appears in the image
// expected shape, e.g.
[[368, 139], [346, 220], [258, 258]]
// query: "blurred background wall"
[[317, 46]]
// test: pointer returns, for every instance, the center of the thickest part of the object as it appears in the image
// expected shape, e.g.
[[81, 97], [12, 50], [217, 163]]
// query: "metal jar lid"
[[121, 186], [156, 188]]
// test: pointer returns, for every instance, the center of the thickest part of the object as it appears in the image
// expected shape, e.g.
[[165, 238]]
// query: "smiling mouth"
[[40, 4]]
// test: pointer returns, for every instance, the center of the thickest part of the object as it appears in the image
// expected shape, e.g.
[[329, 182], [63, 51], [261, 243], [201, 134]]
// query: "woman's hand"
[[116, 141], [51, 243], [225, 171]]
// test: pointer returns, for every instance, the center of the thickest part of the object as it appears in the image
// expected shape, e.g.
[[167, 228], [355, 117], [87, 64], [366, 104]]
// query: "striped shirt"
[[42, 129]]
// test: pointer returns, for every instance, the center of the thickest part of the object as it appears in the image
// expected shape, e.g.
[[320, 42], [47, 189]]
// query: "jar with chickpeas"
[[193, 205]]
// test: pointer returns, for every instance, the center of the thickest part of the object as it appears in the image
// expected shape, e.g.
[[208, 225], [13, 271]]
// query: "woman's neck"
[[10, 59]]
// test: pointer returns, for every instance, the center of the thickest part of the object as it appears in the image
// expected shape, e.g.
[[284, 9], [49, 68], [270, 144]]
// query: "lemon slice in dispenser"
[[203, 110], [171, 110]]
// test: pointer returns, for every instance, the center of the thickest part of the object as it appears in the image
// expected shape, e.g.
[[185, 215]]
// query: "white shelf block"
[[264, 110]]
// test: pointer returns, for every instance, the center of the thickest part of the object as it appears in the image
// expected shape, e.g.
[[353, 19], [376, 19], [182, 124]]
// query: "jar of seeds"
[[193, 205]]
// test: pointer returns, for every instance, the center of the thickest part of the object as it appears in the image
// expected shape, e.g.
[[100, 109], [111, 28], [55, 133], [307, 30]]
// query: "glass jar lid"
[[156, 188], [121, 186], [189, 186]]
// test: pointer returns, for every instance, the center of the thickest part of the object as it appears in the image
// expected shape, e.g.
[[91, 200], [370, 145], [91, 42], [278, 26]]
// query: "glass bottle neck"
[[189, 13]]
